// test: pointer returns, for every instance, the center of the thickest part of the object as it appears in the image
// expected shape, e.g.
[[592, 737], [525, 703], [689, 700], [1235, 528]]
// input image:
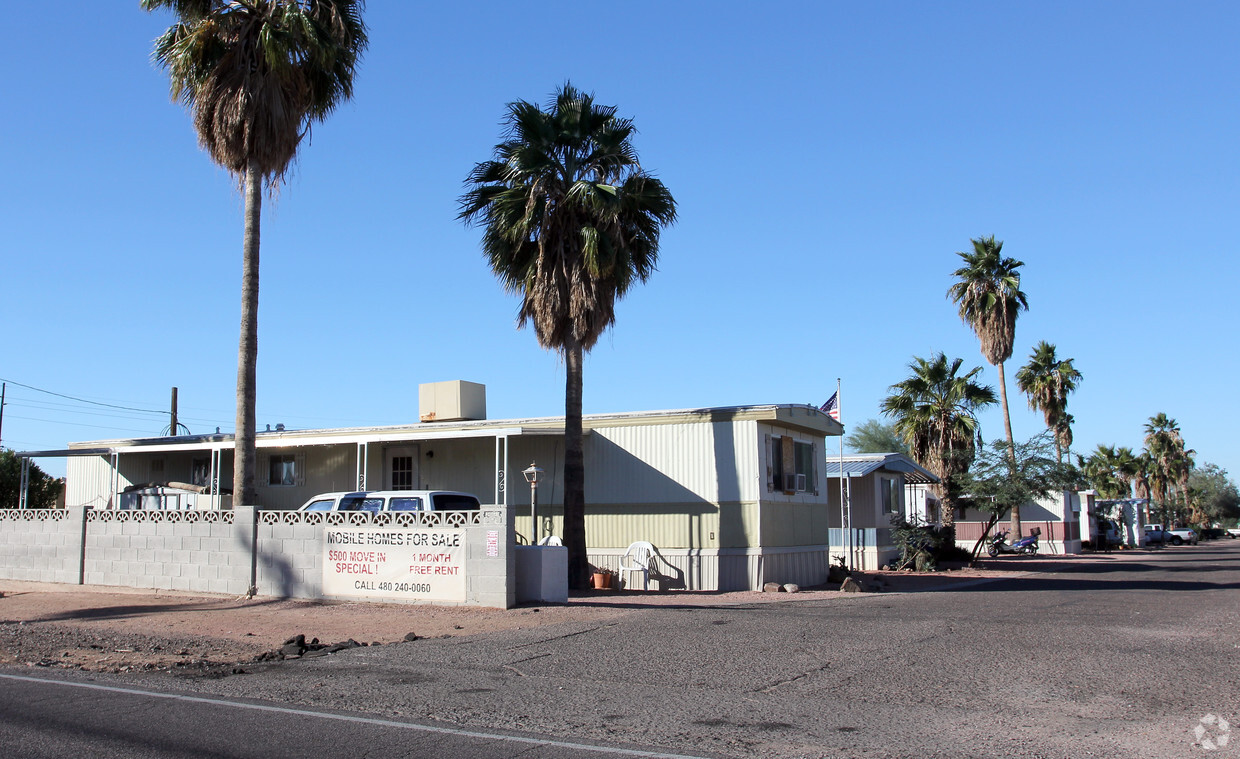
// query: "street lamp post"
[[531, 476]]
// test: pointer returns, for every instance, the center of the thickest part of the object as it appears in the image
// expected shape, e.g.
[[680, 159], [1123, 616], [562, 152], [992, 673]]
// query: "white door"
[[400, 468]]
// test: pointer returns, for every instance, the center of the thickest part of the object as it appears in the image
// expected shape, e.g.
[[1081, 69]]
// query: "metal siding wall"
[[673, 526], [88, 480], [329, 469], [463, 464], [794, 524], [671, 463]]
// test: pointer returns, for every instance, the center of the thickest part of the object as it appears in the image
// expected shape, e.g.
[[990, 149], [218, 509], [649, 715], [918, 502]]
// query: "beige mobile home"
[[730, 497]]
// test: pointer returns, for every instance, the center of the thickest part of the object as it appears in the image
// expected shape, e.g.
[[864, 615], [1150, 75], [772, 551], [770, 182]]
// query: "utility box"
[[453, 401]]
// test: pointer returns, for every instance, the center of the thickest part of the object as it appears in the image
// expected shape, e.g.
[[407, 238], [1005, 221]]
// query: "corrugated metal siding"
[[805, 568], [862, 496], [466, 464], [673, 463], [794, 524], [89, 480]]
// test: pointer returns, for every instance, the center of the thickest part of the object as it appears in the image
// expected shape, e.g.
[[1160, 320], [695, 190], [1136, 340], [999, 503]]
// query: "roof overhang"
[[277, 440], [865, 464]]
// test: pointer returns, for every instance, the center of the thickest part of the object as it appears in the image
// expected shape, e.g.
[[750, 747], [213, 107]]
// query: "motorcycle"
[[1027, 545]]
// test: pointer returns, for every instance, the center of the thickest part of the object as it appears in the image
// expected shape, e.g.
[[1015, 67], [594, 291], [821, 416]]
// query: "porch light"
[[531, 476]]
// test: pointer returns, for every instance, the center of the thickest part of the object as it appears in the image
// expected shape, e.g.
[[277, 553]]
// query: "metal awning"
[[865, 464]]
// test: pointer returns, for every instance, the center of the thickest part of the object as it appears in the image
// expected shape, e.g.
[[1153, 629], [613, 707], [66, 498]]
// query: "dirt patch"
[[119, 629]]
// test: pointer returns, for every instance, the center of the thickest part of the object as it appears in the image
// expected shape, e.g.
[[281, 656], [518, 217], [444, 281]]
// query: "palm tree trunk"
[[245, 458], [1007, 429], [574, 471]]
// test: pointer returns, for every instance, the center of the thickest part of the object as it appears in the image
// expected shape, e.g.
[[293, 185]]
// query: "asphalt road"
[[1120, 657]]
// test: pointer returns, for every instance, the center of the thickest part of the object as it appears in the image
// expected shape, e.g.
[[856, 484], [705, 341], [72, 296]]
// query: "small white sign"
[[394, 563]]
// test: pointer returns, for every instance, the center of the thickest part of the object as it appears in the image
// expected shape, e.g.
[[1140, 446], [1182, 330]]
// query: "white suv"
[[393, 500]]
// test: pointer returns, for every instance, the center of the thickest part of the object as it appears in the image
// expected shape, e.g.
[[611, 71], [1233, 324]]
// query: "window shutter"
[[770, 474], [299, 469]]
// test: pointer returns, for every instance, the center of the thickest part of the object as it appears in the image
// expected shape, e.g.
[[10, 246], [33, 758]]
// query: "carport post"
[[25, 483]]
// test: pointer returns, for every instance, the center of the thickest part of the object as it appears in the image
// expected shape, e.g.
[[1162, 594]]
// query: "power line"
[[83, 400]]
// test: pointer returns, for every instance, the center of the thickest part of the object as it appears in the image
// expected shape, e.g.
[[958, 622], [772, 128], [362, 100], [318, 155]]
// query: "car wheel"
[[1177, 541]]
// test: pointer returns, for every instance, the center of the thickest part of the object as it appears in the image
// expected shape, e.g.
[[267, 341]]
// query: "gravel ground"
[[108, 629]]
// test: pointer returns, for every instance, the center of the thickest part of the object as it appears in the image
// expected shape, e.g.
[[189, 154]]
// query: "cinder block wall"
[[290, 555], [42, 545], [197, 551], [271, 553]]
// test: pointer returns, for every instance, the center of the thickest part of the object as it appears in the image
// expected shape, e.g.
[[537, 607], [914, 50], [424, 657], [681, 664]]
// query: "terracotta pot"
[[602, 581]]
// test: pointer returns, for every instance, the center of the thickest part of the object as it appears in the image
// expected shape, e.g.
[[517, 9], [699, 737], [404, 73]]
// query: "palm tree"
[[571, 223], [1107, 470], [988, 294], [1139, 475], [1182, 468], [935, 411], [1063, 434], [256, 74], [1047, 381], [1165, 446]]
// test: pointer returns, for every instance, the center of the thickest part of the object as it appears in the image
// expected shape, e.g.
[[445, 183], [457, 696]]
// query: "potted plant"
[[604, 578]]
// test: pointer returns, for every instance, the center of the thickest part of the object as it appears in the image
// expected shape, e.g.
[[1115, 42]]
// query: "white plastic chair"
[[637, 559], [550, 540]]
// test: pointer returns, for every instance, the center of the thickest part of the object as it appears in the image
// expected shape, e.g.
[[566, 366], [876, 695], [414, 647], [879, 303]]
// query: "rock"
[[772, 587], [294, 646], [791, 587], [411, 636], [851, 586]]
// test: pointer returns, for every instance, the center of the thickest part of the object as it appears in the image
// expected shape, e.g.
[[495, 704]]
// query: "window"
[[200, 472], [792, 466], [361, 503], [889, 491], [453, 502], [804, 465], [282, 470], [411, 503], [402, 473]]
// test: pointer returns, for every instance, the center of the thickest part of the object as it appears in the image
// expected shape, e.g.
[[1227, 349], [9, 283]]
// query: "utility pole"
[[3, 387], [172, 429]]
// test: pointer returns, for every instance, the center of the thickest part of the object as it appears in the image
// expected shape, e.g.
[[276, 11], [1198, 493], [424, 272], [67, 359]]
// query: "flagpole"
[[845, 532]]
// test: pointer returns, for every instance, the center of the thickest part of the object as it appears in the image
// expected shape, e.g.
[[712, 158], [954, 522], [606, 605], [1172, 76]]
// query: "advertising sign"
[[403, 563]]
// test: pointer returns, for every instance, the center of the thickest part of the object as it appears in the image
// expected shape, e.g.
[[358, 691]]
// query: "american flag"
[[832, 406]]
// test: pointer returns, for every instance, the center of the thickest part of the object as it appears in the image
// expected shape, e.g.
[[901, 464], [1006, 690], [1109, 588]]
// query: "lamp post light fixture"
[[531, 476]]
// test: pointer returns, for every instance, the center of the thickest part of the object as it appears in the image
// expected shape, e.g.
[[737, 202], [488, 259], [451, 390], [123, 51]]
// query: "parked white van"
[[393, 500]]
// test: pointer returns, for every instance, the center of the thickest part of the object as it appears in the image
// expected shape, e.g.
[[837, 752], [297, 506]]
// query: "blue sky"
[[828, 159]]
